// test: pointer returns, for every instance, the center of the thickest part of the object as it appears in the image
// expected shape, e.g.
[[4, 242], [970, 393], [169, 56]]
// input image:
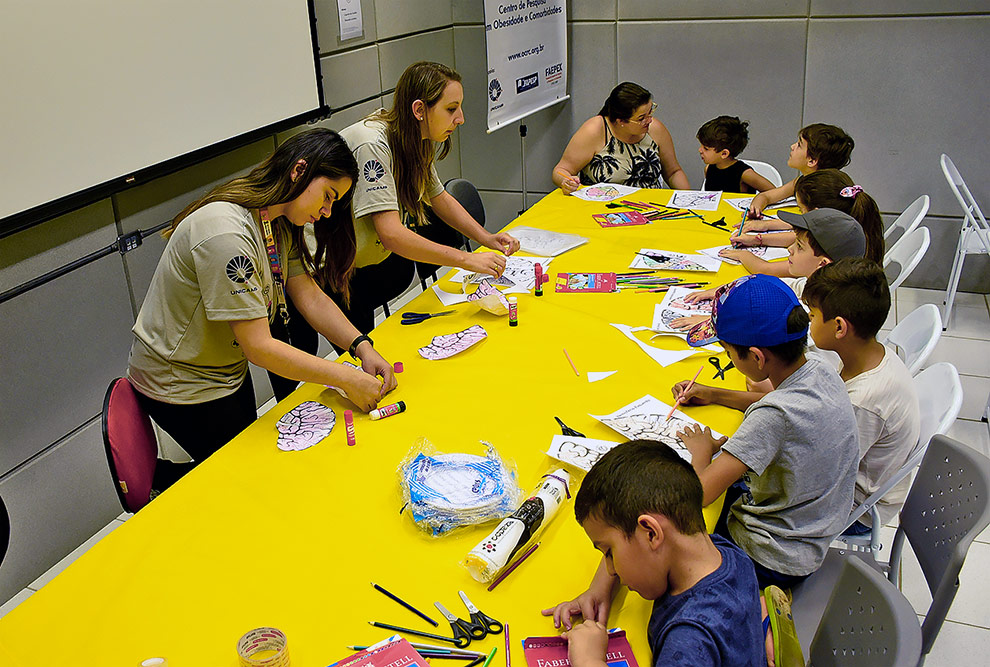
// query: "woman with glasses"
[[623, 144]]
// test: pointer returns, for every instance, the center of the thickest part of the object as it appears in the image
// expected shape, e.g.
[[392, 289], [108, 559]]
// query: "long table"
[[260, 537]]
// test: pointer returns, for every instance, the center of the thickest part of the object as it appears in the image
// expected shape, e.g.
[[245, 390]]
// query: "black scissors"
[[567, 430], [492, 627], [718, 224], [416, 318], [719, 371], [464, 631]]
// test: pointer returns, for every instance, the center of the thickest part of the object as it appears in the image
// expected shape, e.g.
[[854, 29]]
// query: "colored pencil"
[[508, 646], [406, 605], [476, 661], [571, 362], [686, 390], [491, 655], [418, 633], [508, 570]]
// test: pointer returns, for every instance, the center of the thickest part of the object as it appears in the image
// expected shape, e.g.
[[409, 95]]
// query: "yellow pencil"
[[571, 362], [681, 397]]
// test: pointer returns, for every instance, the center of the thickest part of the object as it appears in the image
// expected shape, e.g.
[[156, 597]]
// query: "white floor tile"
[[968, 322], [973, 433], [18, 598], [970, 605], [968, 355], [76, 553], [957, 645], [975, 392], [913, 297]]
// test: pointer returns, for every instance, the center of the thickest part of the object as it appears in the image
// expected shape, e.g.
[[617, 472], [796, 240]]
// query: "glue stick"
[[513, 312], [538, 268], [349, 426], [387, 411], [493, 552]]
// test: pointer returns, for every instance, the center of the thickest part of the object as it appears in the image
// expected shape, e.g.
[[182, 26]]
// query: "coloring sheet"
[[763, 252], [698, 200], [661, 356], [604, 192], [442, 347], [667, 260], [581, 453], [740, 204], [449, 298], [544, 242], [647, 418], [304, 425], [674, 307], [519, 271]]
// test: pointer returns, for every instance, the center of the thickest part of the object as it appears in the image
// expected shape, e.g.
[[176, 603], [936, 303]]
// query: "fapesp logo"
[[373, 171], [527, 82], [240, 269]]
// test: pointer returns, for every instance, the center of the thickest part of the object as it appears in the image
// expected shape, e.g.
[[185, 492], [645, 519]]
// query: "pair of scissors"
[[719, 371], [416, 318], [718, 224], [491, 626], [567, 430], [463, 631]]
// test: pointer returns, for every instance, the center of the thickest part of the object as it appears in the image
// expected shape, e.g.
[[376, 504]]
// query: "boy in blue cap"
[[797, 448]]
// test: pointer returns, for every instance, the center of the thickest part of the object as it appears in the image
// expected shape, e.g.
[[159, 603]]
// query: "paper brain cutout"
[[304, 425], [450, 344]]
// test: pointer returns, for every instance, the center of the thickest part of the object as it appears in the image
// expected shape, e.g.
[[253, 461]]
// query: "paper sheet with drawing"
[[674, 307], [579, 452], [519, 271], [697, 200], [545, 243], [442, 347], [647, 418], [304, 425], [604, 192], [668, 260], [763, 252]]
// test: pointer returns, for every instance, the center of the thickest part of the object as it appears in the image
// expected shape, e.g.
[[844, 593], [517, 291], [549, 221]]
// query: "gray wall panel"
[[56, 503], [396, 55], [903, 118], [774, 111], [401, 17], [896, 7], [63, 343], [584, 10], [704, 9], [351, 76], [467, 11], [328, 26], [501, 208]]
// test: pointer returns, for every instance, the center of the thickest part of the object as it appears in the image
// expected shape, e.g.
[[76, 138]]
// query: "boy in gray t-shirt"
[[797, 447]]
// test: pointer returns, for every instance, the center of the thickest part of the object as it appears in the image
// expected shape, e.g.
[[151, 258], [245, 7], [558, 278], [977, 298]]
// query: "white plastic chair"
[[974, 237], [905, 256], [767, 171], [906, 222], [915, 337], [940, 397]]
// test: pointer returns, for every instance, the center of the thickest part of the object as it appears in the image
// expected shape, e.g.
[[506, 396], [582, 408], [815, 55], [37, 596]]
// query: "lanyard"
[[272, 247]]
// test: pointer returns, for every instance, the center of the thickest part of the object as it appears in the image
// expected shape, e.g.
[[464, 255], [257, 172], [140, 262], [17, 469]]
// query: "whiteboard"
[[94, 91]]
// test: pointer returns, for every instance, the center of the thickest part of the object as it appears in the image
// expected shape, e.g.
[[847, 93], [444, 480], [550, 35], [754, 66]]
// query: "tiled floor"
[[966, 344]]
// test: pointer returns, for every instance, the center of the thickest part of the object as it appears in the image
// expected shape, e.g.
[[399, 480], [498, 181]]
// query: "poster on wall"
[[527, 58]]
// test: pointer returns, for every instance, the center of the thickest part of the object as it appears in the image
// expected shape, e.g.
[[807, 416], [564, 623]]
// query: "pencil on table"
[[686, 390], [571, 362]]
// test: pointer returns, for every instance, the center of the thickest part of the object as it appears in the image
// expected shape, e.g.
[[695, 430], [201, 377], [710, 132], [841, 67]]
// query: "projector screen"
[[94, 92]]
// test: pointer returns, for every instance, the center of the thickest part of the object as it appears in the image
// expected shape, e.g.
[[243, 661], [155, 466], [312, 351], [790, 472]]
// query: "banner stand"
[[522, 152]]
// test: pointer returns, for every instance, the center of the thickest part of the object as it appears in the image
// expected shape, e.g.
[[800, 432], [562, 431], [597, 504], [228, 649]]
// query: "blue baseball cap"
[[754, 311]]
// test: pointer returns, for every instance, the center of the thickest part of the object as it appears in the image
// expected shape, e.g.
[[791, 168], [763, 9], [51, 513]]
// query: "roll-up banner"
[[527, 58]]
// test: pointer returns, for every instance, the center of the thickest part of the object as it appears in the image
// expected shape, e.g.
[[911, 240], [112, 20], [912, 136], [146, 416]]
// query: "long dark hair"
[[325, 154], [832, 188], [624, 100]]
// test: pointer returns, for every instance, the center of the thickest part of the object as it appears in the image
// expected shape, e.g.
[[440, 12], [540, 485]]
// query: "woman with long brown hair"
[[222, 281]]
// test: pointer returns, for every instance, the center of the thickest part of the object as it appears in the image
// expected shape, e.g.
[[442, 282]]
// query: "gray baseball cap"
[[839, 234]]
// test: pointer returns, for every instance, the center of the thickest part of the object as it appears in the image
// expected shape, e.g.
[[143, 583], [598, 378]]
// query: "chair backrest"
[[4, 530], [905, 256], [131, 446], [767, 171], [467, 196], [940, 397], [947, 507], [867, 622], [973, 214], [915, 337], [907, 221]]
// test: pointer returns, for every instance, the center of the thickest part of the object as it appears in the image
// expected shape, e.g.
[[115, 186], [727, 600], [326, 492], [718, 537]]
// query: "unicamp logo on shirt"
[[494, 90], [373, 170], [240, 269]]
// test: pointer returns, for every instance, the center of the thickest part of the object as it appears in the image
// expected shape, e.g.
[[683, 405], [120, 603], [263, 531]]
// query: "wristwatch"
[[357, 341]]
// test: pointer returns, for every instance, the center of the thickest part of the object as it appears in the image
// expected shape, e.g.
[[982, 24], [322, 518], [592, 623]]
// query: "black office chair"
[[4, 530]]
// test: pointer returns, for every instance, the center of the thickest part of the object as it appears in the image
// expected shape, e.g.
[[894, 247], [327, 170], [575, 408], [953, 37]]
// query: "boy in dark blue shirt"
[[641, 507]]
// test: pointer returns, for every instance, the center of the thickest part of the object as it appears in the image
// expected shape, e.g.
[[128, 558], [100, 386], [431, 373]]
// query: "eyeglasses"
[[641, 119]]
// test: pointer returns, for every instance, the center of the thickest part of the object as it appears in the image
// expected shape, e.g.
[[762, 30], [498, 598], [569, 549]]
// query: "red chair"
[[132, 449]]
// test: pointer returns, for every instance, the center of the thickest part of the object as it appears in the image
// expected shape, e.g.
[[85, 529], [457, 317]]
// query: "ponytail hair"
[[831, 188], [624, 100]]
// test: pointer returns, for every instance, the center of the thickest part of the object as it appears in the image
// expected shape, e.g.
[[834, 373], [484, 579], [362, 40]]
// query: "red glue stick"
[[387, 411], [539, 278], [349, 425]]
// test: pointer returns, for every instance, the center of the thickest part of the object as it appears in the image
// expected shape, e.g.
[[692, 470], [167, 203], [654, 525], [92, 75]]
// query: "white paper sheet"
[[449, 298], [647, 418], [673, 306], [581, 453], [595, 376], [351, 22], [696, 200], [763, 252], [663, 357], [673, 261], [519, 272], [604, 192], [545, 243]]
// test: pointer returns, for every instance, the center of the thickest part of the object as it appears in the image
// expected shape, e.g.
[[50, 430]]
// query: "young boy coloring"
[[796, 449], [641, 507], [849, 301], [722, 139]]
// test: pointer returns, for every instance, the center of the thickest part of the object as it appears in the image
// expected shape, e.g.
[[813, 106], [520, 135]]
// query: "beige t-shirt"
[[374, 190], [889, 422], [214, 270]]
